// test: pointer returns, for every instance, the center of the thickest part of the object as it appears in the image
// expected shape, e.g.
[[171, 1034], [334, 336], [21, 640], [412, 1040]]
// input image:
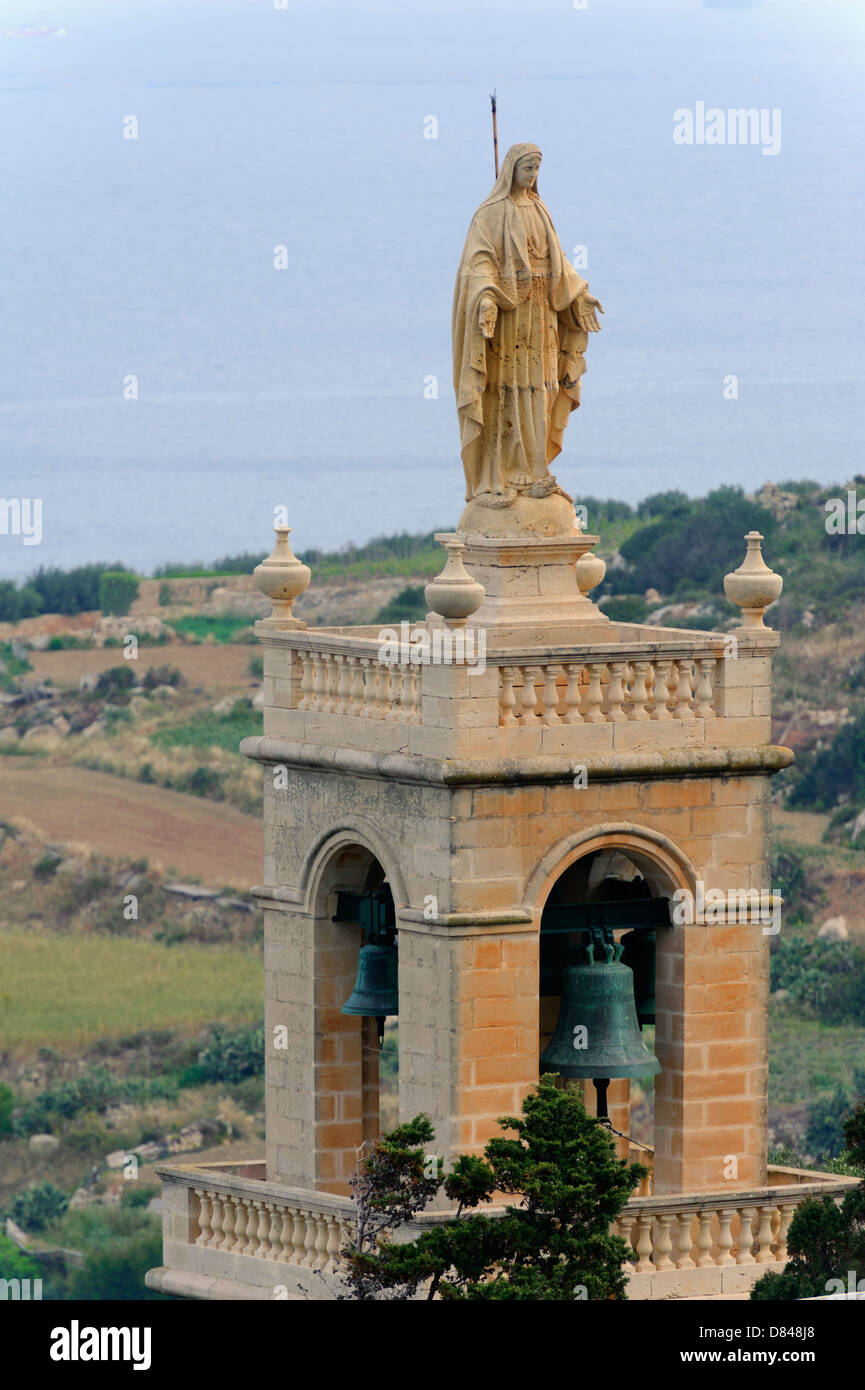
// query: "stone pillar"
[[468, 1028], [712, 1043]]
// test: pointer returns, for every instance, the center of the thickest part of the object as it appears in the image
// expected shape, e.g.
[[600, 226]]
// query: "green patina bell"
[[639, 954], [376, 991], [597, 1035]]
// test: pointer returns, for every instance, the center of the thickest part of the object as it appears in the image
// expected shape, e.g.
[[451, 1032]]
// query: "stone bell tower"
[[478, 799], [472, 792]]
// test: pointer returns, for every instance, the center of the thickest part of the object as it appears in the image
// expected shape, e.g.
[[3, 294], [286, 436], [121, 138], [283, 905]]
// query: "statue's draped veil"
[[495, 263]]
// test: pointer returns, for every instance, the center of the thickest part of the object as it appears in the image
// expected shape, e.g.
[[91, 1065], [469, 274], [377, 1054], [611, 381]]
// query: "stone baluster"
[[704, 693], [240, 1215], [764, 1236], [573, 714], [529, 697], [343, 684], [324, 661], [550, 697], [391, 681], [298, 1237], [616, 692], [317, 681], [306, 681], [216, 1222], [416, 695], [370, 681], [320, 1241], [333, 1243], [595, 693], [264, 1210], [274, 1235], [683, 1240], [645, 1188], [663, 1241], [251, 1246], [204, 1209], [725, 1235], [383, 692], [639, 690], [787, 1210], [356, 699], [285, 1228], [661, 690], [746, 1235], [624, 1222], [683, 690], [309, 1242], [507, 698], [704, 1238], [406, 692], [228, 1210], [645, 1222]]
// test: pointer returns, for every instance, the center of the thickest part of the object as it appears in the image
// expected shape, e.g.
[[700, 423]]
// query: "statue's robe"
[[516, 391]]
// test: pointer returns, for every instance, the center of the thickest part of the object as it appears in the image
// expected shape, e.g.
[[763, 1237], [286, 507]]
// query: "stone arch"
[[353, 832], [667, 866]]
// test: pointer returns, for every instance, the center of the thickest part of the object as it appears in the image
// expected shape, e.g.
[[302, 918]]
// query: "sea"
[[230, 231]]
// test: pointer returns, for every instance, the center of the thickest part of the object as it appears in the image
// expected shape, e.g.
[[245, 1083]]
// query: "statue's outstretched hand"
[[487, 315], [587, 309]]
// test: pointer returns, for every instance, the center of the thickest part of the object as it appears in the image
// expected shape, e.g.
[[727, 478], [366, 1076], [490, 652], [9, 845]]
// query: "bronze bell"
[[597, 1035], [639, 954], [376, 991]]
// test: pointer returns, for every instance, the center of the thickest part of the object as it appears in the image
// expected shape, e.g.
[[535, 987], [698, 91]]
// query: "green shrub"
[[119, 1246], [233, 1054], [824, 1136], [38, 1206], [836, 771], [47, 866], [826, 977], [162, 675], [408, 606], [117, 680], [7, 1102], [118, 590], [71, 591], [137, 1195], [628, 608], [16, 604], [203, 781], [164, 595], [15, 1263]]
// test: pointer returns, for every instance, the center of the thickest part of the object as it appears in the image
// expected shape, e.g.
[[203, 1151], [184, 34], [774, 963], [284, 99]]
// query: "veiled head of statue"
[[519, 170]]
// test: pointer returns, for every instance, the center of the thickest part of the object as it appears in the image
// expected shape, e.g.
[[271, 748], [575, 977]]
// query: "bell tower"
[[471, 814]]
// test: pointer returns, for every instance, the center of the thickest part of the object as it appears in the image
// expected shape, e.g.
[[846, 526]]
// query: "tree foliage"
[[826, 1241], [552, 1241]]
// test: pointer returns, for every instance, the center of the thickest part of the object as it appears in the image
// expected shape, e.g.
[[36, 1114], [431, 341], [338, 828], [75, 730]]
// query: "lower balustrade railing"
[[680, 1231], [715, 1230], [298, 1233]]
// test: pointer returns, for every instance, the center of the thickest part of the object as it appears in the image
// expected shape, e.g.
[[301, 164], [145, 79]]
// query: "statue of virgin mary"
[[521, 320]]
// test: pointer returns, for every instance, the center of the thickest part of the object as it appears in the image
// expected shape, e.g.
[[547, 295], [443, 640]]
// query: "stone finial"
[[590, 571], [453, 594], [753, 586], [282, 578]]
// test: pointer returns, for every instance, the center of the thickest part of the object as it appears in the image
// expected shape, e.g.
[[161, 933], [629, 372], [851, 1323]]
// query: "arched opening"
[[617, 894], [356, 1081]]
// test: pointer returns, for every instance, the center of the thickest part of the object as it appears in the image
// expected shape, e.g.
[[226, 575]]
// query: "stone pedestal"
[[531, 587]]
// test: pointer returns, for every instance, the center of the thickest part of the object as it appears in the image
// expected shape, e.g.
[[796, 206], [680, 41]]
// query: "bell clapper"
[[379, 1028], [600, 1084]]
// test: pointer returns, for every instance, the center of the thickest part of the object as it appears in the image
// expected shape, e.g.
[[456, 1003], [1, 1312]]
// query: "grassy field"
[[70, 990], [222, 628], [210, 730], [809, 1058]]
